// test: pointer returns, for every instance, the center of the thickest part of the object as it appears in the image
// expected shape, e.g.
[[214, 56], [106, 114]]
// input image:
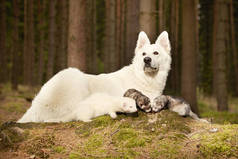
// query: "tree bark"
[[52, 46], [132, 29], [25, 48], [219, 54], [77, 44], [16, 52], [188, 77], [148, 18], [174, 76], [3, 59], [111, 58], [161, 14], [29, 44], [233, 45], [92, 59], [41, 48]]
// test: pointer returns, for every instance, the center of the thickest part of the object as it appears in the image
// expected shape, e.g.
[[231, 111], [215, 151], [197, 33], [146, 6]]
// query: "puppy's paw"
[[159, 103]]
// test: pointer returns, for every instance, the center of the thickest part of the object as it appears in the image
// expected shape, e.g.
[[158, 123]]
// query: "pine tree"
[[219, 53], [188, 76], [77, 39]]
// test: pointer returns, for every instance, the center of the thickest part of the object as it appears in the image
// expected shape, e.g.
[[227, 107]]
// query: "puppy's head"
[[151, 58], [129, 105]]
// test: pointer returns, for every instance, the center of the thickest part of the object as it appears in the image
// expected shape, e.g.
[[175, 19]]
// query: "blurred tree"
[[174, 38], [148, 18], [41, 47], [52, 44], [3, 53], [161, 15], [92, 59], [16, 51], [205, 46], [29, 44], [111, 57], [61, 34], [234, 48], [188, 76], [219, 53], [132, 29], [77, 38]]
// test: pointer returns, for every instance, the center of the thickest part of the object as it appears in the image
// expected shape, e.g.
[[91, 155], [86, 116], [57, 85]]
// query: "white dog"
[[64, 92]]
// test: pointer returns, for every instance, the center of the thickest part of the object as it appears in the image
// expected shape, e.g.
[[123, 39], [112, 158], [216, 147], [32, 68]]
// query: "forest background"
[[40, 38]]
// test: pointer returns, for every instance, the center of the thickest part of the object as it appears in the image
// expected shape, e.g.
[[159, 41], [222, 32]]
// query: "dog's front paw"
[[159, 103]]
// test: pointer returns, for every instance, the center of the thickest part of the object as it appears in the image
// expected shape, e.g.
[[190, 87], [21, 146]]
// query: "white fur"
[[99, 104], [68, 89]]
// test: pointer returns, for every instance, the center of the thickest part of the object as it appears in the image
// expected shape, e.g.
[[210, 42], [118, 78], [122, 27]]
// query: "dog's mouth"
[[149, 68]]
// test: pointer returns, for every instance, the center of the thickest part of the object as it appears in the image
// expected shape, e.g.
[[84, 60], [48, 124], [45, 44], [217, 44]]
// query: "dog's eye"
[[143, 53], [156, 53]]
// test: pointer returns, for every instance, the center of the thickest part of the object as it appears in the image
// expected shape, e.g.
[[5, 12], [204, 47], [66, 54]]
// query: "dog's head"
[[152, 58]]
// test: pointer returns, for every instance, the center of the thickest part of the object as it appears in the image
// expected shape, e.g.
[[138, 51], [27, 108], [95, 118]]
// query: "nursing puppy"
[[68, 89]]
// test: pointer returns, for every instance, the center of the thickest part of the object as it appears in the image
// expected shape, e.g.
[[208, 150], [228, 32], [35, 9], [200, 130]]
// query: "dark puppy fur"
[[142, 101]]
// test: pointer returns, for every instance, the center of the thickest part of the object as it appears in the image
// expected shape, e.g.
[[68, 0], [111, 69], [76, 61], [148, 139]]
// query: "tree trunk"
[[29, 45], [16, 57], [52, 46], [132, 29], [64, 31], [161, 15], [174, 76], [25, 49], [148, 18], [92, 62], [233, 45], [3, 59], [111, 58], [41, 48], [77, 39], [188, 77], [219, 53]]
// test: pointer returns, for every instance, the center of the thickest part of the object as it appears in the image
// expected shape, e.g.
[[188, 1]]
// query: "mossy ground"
[[161, 135]]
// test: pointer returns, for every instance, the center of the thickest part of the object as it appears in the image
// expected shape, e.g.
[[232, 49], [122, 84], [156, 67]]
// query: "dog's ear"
[[163, 41], [142, 40]]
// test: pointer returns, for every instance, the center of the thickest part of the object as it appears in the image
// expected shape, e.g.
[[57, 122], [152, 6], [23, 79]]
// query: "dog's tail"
[[195, 117]]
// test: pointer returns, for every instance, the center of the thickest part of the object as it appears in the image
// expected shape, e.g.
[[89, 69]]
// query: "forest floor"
[[160, 135]]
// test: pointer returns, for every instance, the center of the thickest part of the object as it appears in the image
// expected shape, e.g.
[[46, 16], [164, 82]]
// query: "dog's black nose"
[[147, 60]]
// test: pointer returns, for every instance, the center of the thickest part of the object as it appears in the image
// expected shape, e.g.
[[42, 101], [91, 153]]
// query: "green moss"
[[171, 121], [94, 142], [167, 148], [130, 138], [35, 145], [14, 107], [9, 137], [59, 149], [222, 117], [75, 156], [222, 144], [102, 121], [91, 148]]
